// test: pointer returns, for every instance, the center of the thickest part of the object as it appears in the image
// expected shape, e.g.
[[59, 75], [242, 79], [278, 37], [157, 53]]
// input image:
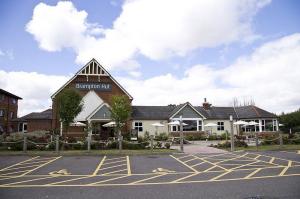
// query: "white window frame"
[[2, 112], [137, 127], [221, 125]]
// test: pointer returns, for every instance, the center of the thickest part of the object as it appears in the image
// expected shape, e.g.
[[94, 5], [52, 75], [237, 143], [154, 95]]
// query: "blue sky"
[[20, 50]]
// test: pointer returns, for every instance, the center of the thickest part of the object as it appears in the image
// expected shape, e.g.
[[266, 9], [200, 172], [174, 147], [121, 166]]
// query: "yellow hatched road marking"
[[128, 165], [184, 164], [115, 171], [112, 167], [214, 164], [253, 173], [234, 168], [185, 156], [257, 157], [219, 176], [114, 162], [286, 168], [5, 174], [54, 183], [41, 166], [197, 164], [14, 168], [185, 177], [153, 177], [190, 160], [19, 163], [95, 183], [13, 183], [272, 160], [35, 163], [234, 158], [280, 158], [114, 158], [99, 166]]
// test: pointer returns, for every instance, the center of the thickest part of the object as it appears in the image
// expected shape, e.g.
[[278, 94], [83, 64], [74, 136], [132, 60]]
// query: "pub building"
[[97, 87]]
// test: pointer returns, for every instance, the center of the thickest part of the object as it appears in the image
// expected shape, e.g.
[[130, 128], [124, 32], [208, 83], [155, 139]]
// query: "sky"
[[161, 51]]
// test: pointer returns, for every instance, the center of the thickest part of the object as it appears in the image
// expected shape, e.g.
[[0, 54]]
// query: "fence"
[[58, 144]]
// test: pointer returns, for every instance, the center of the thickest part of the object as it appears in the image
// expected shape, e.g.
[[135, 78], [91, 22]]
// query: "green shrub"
[[167, 145], [162, 137]]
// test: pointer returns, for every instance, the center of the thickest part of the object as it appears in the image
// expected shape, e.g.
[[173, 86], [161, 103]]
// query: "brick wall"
[[9, 107], [38, 125]]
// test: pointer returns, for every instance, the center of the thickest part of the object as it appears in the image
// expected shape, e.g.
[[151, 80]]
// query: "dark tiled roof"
[[164, 112], [245, 112], [151, 112], [44, 115], [9, 94]]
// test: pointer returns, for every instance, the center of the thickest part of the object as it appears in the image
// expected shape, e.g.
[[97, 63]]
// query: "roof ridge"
[[254, 108]]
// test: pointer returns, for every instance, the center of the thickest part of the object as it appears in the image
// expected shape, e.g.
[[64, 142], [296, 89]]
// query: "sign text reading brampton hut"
[[95, 86]]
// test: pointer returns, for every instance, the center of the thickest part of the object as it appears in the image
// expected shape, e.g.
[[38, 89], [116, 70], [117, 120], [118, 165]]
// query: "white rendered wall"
[[147, 126]]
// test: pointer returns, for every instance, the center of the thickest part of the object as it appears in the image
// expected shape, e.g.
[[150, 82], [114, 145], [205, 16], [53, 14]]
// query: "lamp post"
[[231, 133], [181, 133]]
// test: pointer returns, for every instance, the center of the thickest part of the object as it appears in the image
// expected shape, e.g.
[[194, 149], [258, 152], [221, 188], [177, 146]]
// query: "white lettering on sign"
[[93, 86]]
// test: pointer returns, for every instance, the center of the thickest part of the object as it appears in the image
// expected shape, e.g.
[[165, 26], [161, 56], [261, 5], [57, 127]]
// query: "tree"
[[69, 104], [120, 112], [290, 121]]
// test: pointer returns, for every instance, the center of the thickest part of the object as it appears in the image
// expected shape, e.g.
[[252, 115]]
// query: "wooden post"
[[89, 142], [151, 142], [181, 135], [256, 141], [280, 140], [231, 133], [25, 143]]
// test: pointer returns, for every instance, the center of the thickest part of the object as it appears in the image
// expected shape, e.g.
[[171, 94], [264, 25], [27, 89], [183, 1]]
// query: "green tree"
[[120, 112], [69, 104], [290, 121]]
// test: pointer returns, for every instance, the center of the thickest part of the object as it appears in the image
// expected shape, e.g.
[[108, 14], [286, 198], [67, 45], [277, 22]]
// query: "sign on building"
[[93, 86]]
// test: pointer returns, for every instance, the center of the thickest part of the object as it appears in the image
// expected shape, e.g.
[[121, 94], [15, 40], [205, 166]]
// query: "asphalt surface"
[[226, 175]]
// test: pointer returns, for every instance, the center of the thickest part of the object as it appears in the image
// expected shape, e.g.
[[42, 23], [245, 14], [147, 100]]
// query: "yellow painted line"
[[264, 161], [115, 171], [115, 158], [54, 183], [114, 162], [13, 183], [219, 176], [257, 156], [272, 160], [14, 168], [210, 168], [234, 158], [185, 177], [34, 163], [185, 156], [143, 180], [253, 173], [5, 174], [185, 164], [212, 163], [112, 167], [298, 152], [286, 168], [190, 160], [280, 158], [94, 183], [19, 163], [99, 166], [227, 153], [128, 166], [197, 164], [152, 183], [234, 168], [41, 166]]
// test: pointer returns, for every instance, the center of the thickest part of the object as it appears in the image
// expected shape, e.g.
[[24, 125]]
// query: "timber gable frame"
[[86, 71]]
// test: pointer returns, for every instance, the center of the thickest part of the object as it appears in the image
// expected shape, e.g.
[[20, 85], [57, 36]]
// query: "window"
[[14, 101], [138, 126], [1, 112], [174, 128], [11, 115], [1, 129], [200, 125], [1, 97], [220, 126], [25, 127], [191, 125]]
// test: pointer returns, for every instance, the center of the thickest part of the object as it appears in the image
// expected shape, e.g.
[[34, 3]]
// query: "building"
[[8, 111], [97, 87]]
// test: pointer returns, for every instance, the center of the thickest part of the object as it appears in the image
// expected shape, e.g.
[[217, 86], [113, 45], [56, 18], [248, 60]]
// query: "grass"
[[92, 152], [288, 147]]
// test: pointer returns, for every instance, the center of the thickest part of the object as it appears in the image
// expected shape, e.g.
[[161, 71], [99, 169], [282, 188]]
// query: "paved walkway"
[[193, 149]]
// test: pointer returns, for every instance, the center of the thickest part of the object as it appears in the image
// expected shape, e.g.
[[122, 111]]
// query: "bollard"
[[57, 143], [256, 141], [151, 142], [89, 143], [280, 140], [25, 144]]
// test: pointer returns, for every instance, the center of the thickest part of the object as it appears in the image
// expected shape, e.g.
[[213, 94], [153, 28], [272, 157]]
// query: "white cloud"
[[34, 88], [156, 29], [270, 75], [8, 53]]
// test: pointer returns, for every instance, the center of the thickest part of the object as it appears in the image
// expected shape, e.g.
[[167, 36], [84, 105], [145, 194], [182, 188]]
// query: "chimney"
[[206, 105]]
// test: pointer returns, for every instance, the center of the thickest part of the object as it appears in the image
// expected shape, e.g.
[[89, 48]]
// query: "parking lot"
[[145, 171]]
